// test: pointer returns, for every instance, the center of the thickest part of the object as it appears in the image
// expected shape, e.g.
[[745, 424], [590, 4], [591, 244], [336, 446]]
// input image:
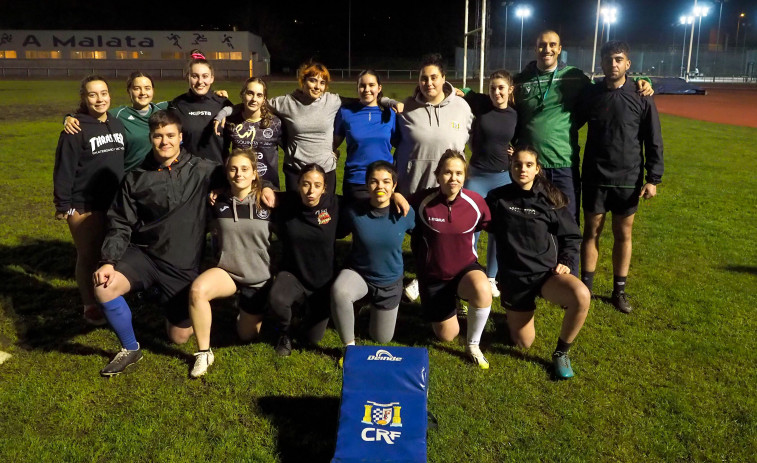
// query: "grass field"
[[673, 381]]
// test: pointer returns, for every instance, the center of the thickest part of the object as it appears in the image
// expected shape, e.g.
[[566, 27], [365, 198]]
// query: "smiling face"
[[200, 78], [368, 88], [141, 92], [240, 172], [312, 185], [314, 86], [499, 92], [523, 169], [381, 187], [431, 82], [96, 99], [253, 99], [166, 143], [548, 49], [451, 177]]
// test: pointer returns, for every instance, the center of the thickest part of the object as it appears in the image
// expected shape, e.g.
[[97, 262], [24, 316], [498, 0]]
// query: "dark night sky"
[[385, 32]]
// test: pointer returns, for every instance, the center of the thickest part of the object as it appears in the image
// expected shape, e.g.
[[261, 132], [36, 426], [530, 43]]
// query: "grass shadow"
[[751, 270], [306, 426]]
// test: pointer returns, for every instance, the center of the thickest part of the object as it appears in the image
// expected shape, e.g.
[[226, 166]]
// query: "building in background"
[[61, 53]]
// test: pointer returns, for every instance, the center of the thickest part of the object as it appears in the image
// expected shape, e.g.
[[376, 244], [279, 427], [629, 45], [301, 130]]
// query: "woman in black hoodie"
[[89, 166], [538, 236]]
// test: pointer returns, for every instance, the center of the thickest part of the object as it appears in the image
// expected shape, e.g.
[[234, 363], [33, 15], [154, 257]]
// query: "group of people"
[[140, 186]]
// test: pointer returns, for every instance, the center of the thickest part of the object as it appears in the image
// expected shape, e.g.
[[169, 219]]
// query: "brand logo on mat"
[[384, 355], [381, 415]]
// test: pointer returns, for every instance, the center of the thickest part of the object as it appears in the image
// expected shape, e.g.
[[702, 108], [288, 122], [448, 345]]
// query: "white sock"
[[351, 343], [476, 324]]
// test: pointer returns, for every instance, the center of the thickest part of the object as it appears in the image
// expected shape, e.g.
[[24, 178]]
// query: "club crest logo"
[[268, 133], [383, 414], [323, 217], [262, 213]]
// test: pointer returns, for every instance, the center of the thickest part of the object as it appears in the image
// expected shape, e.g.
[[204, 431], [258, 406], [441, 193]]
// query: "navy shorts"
[[384, 297], [439, 297], [144, 272], [519, 293], [620, 201], [254, 301]]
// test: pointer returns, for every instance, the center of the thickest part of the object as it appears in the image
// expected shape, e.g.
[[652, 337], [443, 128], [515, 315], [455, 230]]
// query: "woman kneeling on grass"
[[244, 229], [443, 244], [536, 235], [374, 267], [89, 166]]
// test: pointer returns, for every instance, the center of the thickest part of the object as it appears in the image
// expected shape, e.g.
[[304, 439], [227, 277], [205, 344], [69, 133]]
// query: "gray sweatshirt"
[[425, 133]]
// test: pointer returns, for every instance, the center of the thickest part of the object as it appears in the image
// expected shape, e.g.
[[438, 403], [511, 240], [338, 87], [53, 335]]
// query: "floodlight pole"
[[594, 53], [520, 58], [349, 38], [691, 47], [483, 48], [683, 47], [465, 47], [699, 38], [504, 55]]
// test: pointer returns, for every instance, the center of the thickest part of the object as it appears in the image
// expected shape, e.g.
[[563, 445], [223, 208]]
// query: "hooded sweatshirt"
[[198, 134], [89, 165], [426, 131]]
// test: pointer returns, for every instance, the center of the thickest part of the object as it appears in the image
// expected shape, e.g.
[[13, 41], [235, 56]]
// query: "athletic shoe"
[[93, 315], [122, 360], [283, 346], [462, 308], [495, 290], [202, 361], [476, 356], [620, 302], [411, 290], [561, 362]]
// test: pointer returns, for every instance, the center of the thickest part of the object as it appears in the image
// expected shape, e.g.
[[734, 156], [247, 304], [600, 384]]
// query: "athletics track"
[[724, 104]]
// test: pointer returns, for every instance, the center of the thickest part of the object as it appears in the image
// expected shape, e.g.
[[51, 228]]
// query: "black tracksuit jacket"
[[532, 236], [89, 165], [162, 210], [624, 138], [196, 114]]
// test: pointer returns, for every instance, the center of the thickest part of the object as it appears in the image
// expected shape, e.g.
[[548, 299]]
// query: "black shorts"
[[254, 301], [439, 297], [519, 293], [144, 272], [620, 201], [384, 297]]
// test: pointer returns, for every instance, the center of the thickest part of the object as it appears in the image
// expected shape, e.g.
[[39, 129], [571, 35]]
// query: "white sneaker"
[[202, 361], [495, 290], [411, 290], [476, 356]]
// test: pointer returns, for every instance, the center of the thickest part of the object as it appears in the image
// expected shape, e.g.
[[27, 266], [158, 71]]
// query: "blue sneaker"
[[562, 366]]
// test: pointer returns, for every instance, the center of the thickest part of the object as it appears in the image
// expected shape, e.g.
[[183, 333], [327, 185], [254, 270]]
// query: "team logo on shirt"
[[268, 133], [455, 125], [377, 414], [248, 134], [262, 213], [323, 217], [262, 168]]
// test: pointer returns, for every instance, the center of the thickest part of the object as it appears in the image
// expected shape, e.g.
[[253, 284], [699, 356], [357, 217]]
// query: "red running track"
[[724, 104]]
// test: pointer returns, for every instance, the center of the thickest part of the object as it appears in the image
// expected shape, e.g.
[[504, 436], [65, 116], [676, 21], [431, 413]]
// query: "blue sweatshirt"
[[369, 131], [377, 236]]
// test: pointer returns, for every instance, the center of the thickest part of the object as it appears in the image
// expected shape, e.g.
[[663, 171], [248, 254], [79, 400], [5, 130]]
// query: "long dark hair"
[[265, 110], [312, 167], [134, 75], [555, 197], [385, 112], [82, 109]]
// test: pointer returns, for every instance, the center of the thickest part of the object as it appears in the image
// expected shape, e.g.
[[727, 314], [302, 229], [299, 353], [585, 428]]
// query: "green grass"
[[673, 381]]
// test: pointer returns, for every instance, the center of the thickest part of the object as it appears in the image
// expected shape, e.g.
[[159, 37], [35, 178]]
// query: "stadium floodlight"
[[699, 11], [609, 17], [522, 12], [685, 20]]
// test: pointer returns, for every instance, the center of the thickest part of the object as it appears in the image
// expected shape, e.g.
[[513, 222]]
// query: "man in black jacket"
[[155, 236], [623, 141]]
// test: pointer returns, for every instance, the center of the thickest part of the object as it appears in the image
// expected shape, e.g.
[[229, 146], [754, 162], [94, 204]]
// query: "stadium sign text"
[[92, 41]]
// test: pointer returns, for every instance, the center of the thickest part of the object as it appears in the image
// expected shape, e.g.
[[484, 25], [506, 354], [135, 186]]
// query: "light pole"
[[594, 51], [691, 47], [738, 23], [522, 12], [699, 11], [684, 20], [609, 16], [504, 55]]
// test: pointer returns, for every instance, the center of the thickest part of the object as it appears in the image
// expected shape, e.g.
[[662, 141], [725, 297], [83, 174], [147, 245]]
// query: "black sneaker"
[[121, 361], [620, 302], [283, 346]]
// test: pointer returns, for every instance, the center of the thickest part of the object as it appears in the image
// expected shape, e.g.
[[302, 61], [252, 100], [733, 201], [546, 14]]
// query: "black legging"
[[287, 292]]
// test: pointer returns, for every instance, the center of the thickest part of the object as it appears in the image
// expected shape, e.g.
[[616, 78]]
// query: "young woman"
[[88, 169], [374, 267], [141, 90], [537, 235], [252, 125], [306, 222], [369, 130], [493, 129], [434, 120], [196, 109], [244, 228], [447, 266]]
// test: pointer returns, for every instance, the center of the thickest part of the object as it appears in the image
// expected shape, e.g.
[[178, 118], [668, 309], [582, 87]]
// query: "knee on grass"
[[179, 334]]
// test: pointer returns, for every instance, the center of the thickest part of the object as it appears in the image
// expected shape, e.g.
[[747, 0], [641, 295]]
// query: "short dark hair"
[[380, 165], [163, 118], [451, 154], [433, 59], [312, 167], [136, 74], [613, 47]]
